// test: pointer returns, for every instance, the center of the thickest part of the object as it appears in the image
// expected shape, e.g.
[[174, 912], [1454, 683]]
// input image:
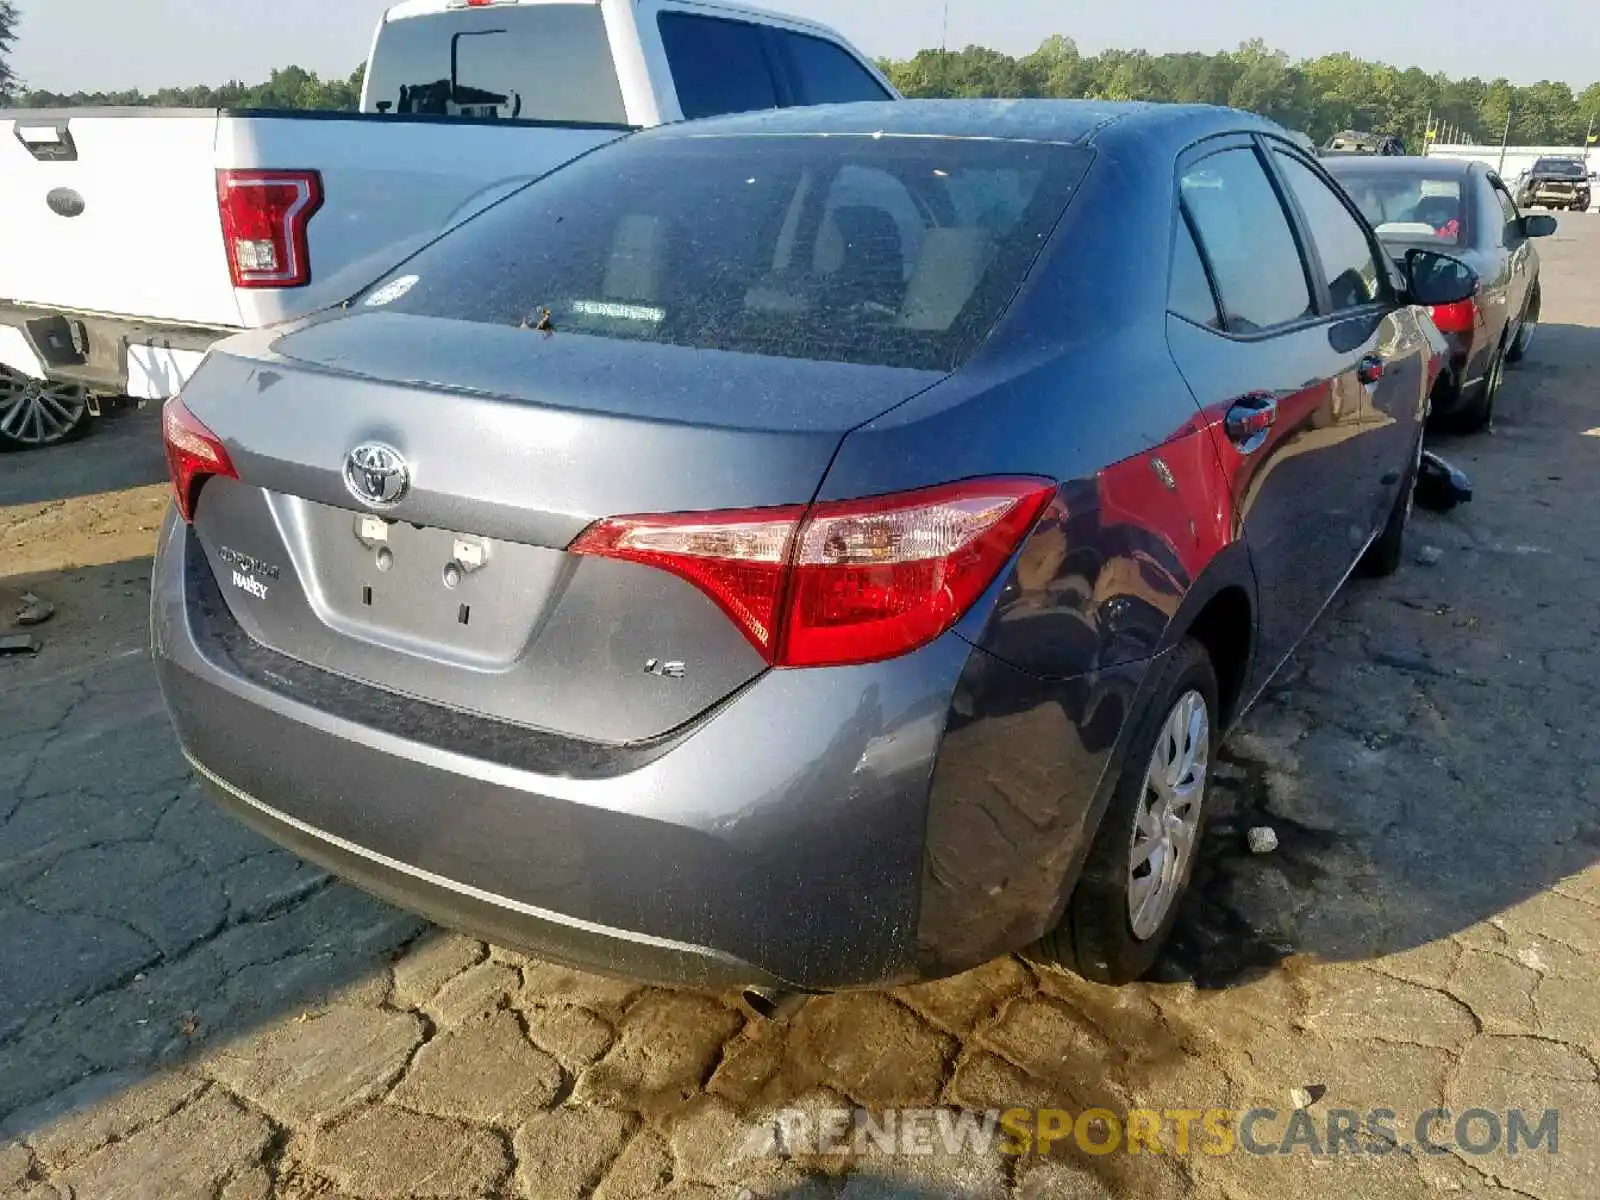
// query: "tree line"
[[1317, 96], [291, 88]]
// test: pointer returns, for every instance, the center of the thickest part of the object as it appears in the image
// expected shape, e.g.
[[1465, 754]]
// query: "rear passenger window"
[[823, 73], [1347, 258], [717, 66], [1246, 234], [1191, 296]]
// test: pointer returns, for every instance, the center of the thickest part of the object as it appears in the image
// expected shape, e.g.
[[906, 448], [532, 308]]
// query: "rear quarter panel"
[[1077, 385]]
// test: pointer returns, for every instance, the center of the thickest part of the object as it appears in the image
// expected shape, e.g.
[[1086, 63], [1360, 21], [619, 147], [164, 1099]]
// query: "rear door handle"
[[1249, 420], [1371, 369]]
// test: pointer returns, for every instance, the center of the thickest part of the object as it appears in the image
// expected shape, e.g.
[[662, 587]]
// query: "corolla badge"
[[377, 475], [65, 202]]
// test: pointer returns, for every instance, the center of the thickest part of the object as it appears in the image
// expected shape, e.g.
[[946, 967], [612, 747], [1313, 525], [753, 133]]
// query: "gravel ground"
[[187, 1011]]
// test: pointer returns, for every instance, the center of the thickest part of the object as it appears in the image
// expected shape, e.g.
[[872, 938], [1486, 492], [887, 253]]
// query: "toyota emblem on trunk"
[[376, 475]]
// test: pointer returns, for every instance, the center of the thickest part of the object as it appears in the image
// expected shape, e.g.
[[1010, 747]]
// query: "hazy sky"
[[103, 45]]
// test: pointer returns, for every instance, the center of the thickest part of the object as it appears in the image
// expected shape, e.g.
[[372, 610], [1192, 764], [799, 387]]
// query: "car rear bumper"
[[123, 356], [791, 837], [499, 919]]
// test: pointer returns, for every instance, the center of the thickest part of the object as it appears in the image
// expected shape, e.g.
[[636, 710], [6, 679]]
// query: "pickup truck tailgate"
[[115, 213]]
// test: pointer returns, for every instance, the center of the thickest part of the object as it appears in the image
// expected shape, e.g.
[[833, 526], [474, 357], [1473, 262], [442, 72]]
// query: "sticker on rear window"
[[392, 291]]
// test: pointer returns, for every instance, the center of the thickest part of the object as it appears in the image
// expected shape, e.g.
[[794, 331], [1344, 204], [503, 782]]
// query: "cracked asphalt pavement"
[[186, 1011]]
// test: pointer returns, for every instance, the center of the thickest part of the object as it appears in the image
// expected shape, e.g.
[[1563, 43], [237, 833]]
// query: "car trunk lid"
[[463, 592]]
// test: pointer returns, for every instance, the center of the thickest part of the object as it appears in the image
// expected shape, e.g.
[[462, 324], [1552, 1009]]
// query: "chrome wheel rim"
[[1166, 824], [1530, 326], [39, 412]]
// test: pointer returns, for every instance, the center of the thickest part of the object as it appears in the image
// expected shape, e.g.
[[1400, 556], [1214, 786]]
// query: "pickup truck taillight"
[[264, 219]]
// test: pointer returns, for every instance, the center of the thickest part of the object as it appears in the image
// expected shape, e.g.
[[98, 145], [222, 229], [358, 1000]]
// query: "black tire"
[[1526, 330], [1384, 556], [1096, 938], [1478, 413]]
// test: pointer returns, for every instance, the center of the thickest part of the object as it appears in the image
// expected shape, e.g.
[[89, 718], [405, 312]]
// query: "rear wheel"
[[1478, 412], [1143, 856], [1527, 330], [1384, 556], [39, 412]]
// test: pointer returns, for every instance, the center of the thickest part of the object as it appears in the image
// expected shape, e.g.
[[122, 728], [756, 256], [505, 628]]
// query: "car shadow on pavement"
[[1423, 758], [137, 923]]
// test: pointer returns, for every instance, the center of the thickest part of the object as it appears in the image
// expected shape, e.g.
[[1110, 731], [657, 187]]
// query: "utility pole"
[[944, 50], [1505, 140]]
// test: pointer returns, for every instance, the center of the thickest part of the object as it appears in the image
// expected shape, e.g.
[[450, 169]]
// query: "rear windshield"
[[1409, 208], [887, 250], [1560, 168], [542, 62]]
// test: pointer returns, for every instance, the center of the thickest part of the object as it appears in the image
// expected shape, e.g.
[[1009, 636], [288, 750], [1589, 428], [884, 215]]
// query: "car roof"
[[1099, 123], [1402, 164]]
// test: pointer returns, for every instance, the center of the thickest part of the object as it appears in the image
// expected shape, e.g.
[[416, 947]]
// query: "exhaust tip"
[[773, 1004]]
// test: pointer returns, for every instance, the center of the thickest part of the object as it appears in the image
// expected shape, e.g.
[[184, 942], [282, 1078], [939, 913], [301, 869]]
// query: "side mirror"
[[1433, 279], [1538, 225]]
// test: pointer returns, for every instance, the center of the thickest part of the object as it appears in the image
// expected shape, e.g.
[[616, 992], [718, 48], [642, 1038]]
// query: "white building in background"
[[1520, 158]]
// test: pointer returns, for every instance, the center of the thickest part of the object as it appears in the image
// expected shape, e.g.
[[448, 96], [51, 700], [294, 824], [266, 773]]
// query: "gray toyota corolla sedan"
[[798, 551]]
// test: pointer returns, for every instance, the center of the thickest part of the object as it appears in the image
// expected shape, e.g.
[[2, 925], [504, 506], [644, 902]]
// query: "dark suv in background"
[[1556, 183]]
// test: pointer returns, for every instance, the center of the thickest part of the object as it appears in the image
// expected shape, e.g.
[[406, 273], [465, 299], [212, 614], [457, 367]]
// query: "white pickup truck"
[[131, 240]]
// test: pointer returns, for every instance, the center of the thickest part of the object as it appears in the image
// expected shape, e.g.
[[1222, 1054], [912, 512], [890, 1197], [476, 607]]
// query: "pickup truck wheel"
[[39, 412]]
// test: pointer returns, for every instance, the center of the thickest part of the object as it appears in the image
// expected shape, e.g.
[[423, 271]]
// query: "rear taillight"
[[193, 454], [264, 219], [845, 581], [1460, 317], [738, 558]]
